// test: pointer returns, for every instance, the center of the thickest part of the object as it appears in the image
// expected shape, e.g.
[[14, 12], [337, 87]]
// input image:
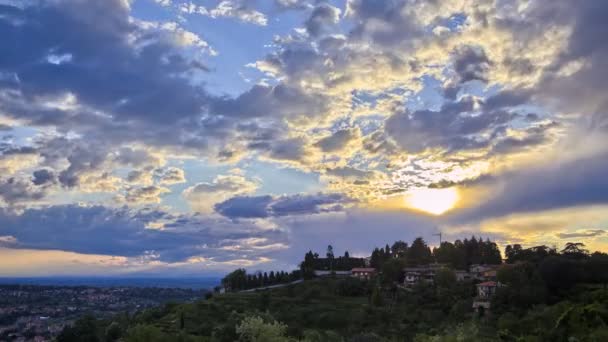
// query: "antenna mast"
[[440, 237]]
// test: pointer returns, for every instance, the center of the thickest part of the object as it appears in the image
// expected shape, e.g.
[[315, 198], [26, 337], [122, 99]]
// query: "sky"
[[183, 137]]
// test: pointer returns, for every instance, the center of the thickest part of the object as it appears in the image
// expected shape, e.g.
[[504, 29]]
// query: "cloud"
[[457, 126], [582, 234], [171, 175], [123, 232], [323, 16], [269, 206], [338, 140], [43, 176], [557, 184], [239, 9], [203, 196], [14, 191], [144, 195], [293, 4]]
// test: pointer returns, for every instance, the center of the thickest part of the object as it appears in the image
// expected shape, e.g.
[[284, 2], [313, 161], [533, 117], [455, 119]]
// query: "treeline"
[[313, 262], [540, 273], [239, 279], [459, 255]]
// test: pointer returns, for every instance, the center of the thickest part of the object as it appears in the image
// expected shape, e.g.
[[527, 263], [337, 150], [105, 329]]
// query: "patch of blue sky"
[[451, 23], [20, 135], [370, 123], [429, 97], [228, 72], [277, 181]]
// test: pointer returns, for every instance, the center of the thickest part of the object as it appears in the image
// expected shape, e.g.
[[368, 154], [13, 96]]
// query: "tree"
[[236, 280], [376, 299], [560, 272], [597, 268], [419, 253], [346, 255], [575, 250], [399, 249], [330, 252], [146, 333], [445, 278], [83, 330], [254, 329], [308, 265], [376, 259], [330, 257], [113, 332], [392, 271]]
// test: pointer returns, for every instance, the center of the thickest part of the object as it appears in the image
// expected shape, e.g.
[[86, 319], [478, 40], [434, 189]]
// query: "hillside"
[[348, 309]]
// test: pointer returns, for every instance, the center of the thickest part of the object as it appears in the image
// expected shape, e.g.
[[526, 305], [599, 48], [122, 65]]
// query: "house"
[[483, 272], [325, 273], [489, 275], [363, 272], [462, 275], [425, 274], [485, 292]]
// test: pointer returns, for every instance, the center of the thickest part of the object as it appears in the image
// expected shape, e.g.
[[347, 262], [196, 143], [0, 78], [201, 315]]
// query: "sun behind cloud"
[[433, 201]]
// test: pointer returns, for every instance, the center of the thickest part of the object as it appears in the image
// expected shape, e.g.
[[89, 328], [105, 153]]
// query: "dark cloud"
[[582, 234], [92, 41], [558, 185], [322, 16], [245, 207], [269, 206], [471, 63], [43, 176], [125, 80], [171, 175], [280, 101], [123, 232], [337, 141], [385, 23], [15, 191], [455, 127]]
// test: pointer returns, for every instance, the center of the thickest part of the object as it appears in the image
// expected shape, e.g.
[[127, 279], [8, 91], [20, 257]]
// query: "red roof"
[[488, 283], [364, 270]]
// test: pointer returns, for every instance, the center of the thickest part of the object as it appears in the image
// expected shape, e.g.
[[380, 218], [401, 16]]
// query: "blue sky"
[[194, 137]]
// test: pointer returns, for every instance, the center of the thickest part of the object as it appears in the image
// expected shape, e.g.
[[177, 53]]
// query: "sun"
[[433, 201]]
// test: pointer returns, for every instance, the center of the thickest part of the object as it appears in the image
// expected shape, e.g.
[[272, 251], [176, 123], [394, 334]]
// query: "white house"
[[485, 292], [363, 272]]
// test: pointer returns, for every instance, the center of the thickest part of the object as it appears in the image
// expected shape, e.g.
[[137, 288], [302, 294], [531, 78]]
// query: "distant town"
[[39, 313]]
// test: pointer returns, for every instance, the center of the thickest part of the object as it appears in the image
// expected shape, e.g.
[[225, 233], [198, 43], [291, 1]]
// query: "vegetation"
[[239, 279], [313, 262], [549, 295]]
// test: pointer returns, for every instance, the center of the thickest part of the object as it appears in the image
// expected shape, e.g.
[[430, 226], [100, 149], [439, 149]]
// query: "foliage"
[[254, 329], [547, 296], [239, 279]]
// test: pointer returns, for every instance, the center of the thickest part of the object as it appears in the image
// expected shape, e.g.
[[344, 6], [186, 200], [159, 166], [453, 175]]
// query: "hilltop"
[[539, 294]]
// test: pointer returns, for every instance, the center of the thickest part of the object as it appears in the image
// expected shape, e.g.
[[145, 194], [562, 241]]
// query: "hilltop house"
[[485, 292], [363, 272], [325, 273], [462, 275], [424, 273], [483, 272]]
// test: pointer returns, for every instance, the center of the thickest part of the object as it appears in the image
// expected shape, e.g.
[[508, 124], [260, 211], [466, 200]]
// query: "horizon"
[[177, 138]]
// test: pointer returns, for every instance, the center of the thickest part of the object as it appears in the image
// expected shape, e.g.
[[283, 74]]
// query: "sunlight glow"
[[433, 201]]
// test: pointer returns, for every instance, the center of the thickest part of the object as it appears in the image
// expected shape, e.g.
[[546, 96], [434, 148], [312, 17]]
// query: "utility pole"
[[440, 235]]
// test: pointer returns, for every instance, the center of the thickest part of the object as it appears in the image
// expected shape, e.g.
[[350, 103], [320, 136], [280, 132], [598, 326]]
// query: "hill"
[[349, 309]]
